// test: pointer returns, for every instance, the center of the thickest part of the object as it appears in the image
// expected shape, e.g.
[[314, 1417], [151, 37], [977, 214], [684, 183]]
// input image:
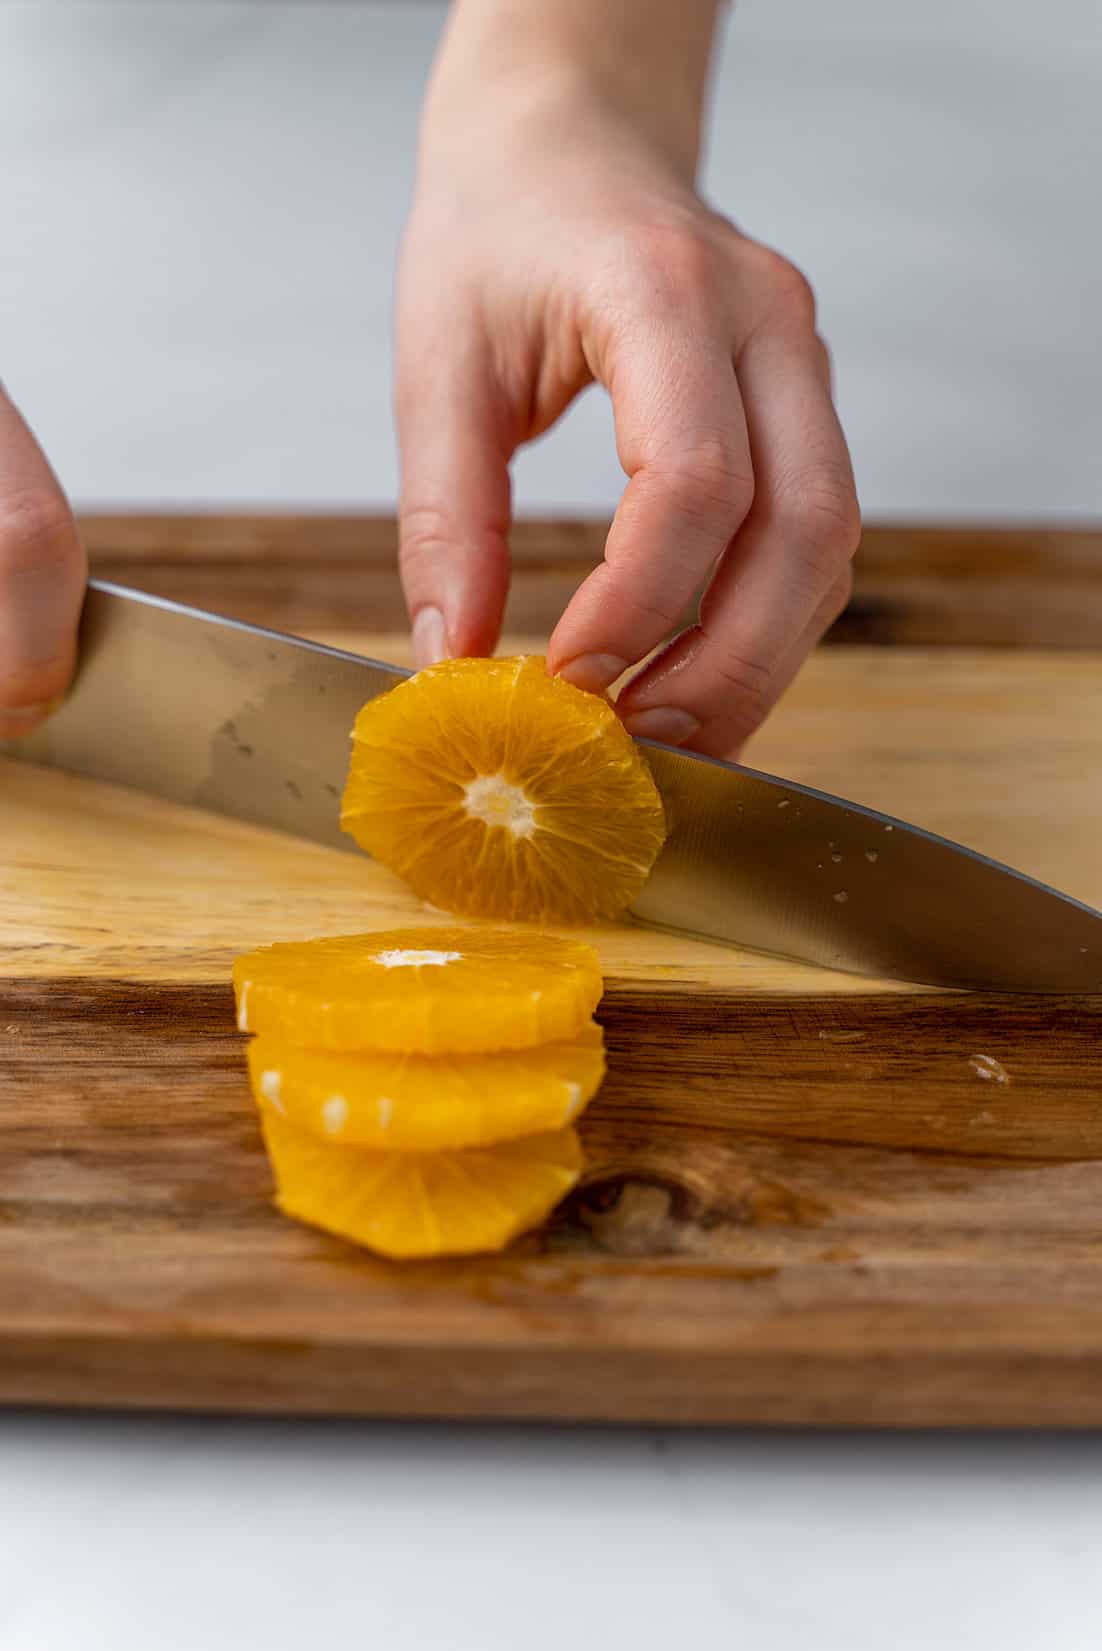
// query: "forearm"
[[646, 61]]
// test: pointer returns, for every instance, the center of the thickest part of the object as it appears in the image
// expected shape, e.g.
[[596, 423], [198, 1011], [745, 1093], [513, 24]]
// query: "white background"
[[199, 205]]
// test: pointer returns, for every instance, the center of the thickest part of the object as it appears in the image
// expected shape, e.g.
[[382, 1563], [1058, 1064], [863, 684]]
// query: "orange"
[[420, 1103], [416, 1204], [498, 791], [442, 991]]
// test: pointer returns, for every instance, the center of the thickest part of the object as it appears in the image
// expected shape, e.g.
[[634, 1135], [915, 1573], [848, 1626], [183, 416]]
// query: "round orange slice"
[[425, 991], [428, 1103], [415, 1204], [498, 791]]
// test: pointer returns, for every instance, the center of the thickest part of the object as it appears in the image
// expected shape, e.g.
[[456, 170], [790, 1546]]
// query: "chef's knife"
[[246, 722]]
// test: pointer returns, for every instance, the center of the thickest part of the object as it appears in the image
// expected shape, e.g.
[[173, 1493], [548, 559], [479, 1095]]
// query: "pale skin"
[[557, 239]]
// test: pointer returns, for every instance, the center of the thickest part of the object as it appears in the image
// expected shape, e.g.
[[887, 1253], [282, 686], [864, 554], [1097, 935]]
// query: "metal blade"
[[253, 724], [210, 712], [779, 867]]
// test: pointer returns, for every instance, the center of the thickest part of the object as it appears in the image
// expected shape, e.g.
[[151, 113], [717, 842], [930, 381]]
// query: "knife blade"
[[247, 722]]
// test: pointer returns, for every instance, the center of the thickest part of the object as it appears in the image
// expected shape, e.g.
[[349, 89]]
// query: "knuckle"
[[37, 533], [692, 255], [824, 519], [789, 295], [647, 616], [748, 683], [744, 684], [676, 260], [429, 534], [425, 533], [708, 478]]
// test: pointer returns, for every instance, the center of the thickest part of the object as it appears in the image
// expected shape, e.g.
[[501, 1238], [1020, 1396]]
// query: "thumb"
[[42, 573], [454, 508]]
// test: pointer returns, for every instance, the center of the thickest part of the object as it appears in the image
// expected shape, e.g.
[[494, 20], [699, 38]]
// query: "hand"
[[42, 574], [556, 239]]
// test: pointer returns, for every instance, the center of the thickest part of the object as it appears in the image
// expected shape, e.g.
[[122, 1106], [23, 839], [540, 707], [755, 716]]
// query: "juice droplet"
[[871, 856], [837, 858], [841, 897]]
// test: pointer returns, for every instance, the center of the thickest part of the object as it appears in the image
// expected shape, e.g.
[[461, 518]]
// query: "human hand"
[[42, 574], [556, 239]]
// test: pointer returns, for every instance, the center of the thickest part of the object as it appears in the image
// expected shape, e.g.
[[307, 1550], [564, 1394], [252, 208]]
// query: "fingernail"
[[666, 723], [594, 672], [24, 719], [430, 638]]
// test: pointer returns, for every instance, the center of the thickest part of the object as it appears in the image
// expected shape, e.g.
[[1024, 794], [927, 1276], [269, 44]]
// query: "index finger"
[[681, 437]]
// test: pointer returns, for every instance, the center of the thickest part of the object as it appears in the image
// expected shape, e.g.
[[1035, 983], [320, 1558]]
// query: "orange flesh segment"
[[422, 1103], [497, 791], [408, 1205], [420, 991]]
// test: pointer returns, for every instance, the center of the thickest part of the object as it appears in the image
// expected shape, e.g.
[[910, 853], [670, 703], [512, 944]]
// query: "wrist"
[[639, 65]]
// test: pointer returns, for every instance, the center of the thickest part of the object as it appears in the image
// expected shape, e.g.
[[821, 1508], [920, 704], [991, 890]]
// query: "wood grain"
[[923, 585], [749, 1244], [810, 1198]]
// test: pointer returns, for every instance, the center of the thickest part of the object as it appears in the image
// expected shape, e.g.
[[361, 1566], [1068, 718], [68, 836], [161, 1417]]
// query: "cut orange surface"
[[413, 1204], [442, 991], [422, 1103], [498, 791]]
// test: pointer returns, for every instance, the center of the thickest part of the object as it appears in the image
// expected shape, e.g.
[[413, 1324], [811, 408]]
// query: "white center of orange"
[[491, 798], [415, 960]]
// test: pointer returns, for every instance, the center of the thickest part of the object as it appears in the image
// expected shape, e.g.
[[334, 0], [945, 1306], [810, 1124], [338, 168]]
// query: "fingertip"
[[594, 672], [430, 638], [668, 724]]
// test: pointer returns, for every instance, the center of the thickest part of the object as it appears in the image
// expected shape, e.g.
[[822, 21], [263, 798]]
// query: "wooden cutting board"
[[810, 1198]]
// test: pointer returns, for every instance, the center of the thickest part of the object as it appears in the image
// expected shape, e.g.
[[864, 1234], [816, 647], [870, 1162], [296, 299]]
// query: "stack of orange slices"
[[417, 1087]]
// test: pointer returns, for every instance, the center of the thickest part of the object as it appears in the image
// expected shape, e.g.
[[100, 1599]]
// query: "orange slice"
[[420, 1103], [416, 1204], [419, 991], [498, 791]]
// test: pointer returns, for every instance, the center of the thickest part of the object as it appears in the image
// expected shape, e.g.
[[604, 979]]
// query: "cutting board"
[[811, 1198]]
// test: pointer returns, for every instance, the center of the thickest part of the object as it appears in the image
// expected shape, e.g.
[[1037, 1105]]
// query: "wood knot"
[[636, 1215]]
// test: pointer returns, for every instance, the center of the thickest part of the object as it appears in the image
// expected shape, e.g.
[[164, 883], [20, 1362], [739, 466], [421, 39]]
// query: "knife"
[[247, 722]]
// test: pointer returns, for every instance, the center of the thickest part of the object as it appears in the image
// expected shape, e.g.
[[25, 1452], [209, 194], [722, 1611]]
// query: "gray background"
[[199, 205]]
